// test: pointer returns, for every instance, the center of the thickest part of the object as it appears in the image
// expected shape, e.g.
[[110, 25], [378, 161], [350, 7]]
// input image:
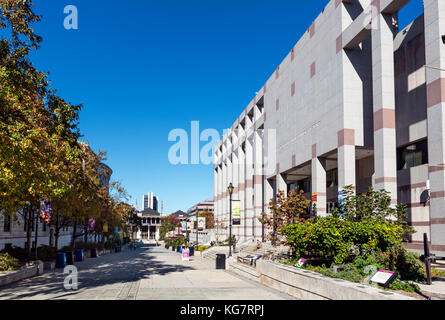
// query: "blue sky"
[[145, 67]]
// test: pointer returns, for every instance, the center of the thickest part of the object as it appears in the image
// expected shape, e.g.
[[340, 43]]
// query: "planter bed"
[[308, 285], [24, 272]]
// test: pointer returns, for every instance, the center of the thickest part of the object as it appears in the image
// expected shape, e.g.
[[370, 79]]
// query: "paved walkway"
[[149, 273]]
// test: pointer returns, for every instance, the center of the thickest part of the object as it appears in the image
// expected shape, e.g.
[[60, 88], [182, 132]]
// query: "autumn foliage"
[[284, 211], [41, 155]]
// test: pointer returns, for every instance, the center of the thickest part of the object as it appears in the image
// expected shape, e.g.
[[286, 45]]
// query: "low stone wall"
[[308, 285], [243, 270], [25, 272]]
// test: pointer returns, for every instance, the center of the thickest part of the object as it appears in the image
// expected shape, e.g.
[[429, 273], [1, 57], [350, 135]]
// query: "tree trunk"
[[102, 238], [56, 233], [37, 238], [85, 230], [73, 240], [29, 230], [51, 236]]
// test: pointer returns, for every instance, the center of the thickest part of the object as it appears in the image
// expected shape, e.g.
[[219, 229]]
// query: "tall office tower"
[[150, 201], [145, 202], [155, 203]]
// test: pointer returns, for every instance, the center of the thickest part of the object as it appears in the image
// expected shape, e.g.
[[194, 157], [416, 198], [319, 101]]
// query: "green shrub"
[[349, 272], [380, 261], [66, 249], [438, 273], [340, 241], [202, 248], [404, 286], [46, 253], [409, 265], [17, 252], [8, 263]]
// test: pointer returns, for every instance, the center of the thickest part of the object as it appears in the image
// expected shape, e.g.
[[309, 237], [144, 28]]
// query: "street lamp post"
[[230, 189]]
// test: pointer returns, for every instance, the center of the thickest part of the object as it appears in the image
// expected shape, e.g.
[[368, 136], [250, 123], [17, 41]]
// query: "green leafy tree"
[[284, 211], [168, 224], [373, 205]]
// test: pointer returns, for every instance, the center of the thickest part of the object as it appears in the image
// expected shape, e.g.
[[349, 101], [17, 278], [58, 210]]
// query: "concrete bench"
[[249, 259]]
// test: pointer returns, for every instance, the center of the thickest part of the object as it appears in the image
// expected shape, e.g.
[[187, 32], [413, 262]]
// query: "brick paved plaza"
[[149, 273]]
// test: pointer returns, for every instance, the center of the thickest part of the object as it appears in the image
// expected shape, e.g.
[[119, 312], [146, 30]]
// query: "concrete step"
[[244, 270]]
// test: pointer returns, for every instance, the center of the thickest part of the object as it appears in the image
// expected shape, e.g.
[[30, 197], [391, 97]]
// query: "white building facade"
[[356, 102]]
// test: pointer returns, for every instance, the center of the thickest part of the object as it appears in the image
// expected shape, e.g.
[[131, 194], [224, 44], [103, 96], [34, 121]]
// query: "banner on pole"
[[91, 224], [236, 212], [45, 210], [201, 223]]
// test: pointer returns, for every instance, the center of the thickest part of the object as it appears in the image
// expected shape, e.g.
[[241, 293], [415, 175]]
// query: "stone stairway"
[[243, 270], [242, 249], [439, 265], [210, 254]]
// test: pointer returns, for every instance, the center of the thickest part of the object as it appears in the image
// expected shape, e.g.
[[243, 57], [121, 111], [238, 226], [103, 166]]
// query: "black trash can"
[[93, 253], [220, 261], [69, 258], [173, 248], [192, 251]]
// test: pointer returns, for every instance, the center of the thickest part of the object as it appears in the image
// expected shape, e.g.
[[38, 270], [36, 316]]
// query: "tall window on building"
[[332, 178], [304, 185], [412, 155], [7, 223]]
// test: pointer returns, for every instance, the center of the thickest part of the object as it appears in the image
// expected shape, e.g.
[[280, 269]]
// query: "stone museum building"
[[358, 101]]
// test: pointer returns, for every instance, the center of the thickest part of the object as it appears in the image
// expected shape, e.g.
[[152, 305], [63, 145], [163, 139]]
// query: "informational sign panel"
[[314, 197], [236, 212], [189, 226], [384, 277], [301, 263], [185, 255]]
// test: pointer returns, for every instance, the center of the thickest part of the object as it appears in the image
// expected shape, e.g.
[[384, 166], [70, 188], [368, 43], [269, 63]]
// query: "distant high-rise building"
[[150, 201]]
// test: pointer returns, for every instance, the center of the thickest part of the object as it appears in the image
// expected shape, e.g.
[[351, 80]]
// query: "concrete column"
[[242, 186], [385, 148], [281, 183], [319, 184], [229, 180], [235, 175], [435, 57], [220, 205], [268, 195], [249, 188], [346, 166], [258, 184], [215, 192], [224, 202]]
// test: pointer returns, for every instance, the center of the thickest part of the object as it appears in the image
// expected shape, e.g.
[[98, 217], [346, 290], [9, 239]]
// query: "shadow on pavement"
[[127, 266]]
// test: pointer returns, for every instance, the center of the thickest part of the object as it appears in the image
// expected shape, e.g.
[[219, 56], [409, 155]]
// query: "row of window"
[[7, 223], [153, 220], [413, 155]]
